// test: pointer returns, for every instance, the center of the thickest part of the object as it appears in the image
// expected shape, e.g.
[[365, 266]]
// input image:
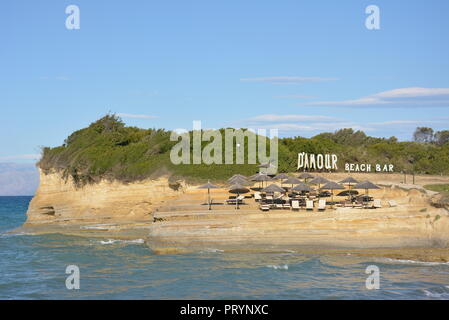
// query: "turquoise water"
[[33, 267]]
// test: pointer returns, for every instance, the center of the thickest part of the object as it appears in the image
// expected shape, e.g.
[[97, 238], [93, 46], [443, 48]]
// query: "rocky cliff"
[[60, 200]]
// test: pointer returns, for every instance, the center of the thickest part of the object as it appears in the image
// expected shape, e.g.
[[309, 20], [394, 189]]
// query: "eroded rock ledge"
[[59, 200]]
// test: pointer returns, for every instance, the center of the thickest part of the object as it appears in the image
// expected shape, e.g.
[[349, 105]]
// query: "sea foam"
[[278, 267], [112, 241], [404, 261]]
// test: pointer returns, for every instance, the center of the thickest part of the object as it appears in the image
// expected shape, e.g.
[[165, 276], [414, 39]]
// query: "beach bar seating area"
[[305, 192]]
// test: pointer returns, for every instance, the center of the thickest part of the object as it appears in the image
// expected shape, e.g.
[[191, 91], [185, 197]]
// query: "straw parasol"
[[281, 176], [301, 187], [238, 180], [332, 186], [367, 185], [305, 176], [272, 188], [264, 165], [319, 181], [349, 181], [238, 189], [348, 193], [292, 181], [208, 186], [237, 176], [261, 177], [253, 176]]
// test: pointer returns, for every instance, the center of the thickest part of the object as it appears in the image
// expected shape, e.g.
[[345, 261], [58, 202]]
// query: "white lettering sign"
[[317, 161], [366, 167]]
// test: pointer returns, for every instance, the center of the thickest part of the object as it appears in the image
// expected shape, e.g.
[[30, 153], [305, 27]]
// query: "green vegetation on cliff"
[[109, 149]]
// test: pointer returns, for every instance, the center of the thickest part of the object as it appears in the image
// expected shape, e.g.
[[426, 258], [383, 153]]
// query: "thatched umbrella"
[[367, 185], [272, 188], [332, 186], [348, 193], [349, 181], [301, 187], [261, 178], [292, 181], [253, 176], [281, 176], [238, 180], [305, 176], [319, 181], [264, 165], [237, 176], [238, 189], [208, 186]]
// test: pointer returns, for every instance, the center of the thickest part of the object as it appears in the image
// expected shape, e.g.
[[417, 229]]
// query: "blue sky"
[[303, 67]]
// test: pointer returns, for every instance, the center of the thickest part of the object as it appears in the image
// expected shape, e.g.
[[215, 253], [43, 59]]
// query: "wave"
[[437, 292], [278, 267], [112, 241], [15, 234], [405, 261]]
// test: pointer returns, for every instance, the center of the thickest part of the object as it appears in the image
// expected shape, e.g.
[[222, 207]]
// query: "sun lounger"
[[264, 207], [392, 203], [295, 205], [377, 204], [257, 196], [234, 201], [286, 205], [358, 205], [309, 205], [240, 198], [322, 205]]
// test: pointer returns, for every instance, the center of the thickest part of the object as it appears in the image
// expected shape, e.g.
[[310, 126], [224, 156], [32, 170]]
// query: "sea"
[[35, 266]]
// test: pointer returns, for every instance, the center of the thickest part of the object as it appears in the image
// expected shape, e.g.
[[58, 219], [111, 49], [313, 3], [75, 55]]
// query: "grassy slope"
[[109, 149]]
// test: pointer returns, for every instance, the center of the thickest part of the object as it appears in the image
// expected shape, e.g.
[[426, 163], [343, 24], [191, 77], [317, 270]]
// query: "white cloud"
[[318, 127], [287, 79], [290, 118], [413, 92], [300, 124], [409, 96], [136, 116], [418, 123]]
